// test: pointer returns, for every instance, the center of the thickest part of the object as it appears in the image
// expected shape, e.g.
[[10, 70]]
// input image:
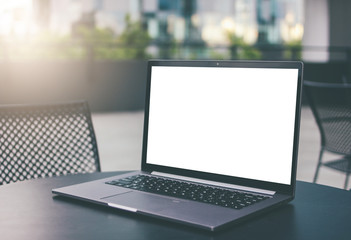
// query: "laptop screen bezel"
[[282, 188]]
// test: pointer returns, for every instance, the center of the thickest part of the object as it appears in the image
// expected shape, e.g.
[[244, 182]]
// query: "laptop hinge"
[[226, 185]]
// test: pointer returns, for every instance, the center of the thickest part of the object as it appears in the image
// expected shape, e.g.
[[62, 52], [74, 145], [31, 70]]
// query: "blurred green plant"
[[85, 42], [97, 43], [50, 46], [241, 50], [102, 44], [169, 49], [45, 46], [133, 41], [293, 50], [219, 55]]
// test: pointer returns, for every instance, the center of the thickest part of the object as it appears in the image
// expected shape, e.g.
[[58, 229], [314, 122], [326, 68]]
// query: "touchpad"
[[172, 208], [143, 201]]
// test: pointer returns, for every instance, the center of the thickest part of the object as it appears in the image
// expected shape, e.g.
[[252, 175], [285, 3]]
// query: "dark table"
[[28, 210]]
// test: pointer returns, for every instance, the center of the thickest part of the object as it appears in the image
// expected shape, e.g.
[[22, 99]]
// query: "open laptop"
[[220, 144]]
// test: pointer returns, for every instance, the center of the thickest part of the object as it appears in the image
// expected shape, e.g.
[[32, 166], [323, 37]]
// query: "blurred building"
[[262, 21], [201, 26]]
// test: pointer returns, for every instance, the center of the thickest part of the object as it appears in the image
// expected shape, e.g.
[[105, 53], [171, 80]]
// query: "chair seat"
[[342, 165]]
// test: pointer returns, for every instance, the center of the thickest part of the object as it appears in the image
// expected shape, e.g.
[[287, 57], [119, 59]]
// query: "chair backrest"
[[331, 107], [39, 141]]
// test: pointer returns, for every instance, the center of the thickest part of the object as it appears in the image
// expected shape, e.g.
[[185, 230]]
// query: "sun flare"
[[16, 19]]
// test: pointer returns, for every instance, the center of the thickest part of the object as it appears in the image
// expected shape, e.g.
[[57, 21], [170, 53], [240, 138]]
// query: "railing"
[[109, 50]]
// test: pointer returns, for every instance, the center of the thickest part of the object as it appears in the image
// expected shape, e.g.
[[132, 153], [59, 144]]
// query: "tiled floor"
[[119, 136]]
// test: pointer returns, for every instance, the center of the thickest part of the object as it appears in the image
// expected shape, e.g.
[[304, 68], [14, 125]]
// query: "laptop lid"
[[229, 121]]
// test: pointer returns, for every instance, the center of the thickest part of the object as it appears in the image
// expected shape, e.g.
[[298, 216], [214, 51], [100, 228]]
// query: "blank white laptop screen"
[[231, 121]]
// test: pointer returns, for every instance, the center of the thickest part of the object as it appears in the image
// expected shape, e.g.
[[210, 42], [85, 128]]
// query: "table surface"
[[28, 210]]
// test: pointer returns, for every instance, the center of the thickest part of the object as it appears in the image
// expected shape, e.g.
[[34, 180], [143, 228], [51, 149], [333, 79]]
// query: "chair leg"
[[346, 180], [318, 165], [347, 173]]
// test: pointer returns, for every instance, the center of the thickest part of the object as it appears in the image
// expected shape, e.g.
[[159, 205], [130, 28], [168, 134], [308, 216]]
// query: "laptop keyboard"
[[190, 191]]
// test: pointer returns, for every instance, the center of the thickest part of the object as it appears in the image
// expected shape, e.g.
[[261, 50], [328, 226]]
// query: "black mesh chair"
[[46, 140], [331, 107]]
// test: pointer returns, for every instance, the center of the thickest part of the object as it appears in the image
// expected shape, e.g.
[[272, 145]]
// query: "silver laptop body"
[[227, 124]]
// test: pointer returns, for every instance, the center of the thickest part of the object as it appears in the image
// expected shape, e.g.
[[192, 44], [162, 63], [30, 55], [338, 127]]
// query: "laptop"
[[220, 144]]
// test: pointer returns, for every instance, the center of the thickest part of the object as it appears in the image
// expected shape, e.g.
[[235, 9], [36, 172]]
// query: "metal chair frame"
[[333, 117]]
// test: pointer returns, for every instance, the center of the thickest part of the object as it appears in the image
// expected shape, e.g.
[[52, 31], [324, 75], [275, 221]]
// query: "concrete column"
[[316, 31]]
